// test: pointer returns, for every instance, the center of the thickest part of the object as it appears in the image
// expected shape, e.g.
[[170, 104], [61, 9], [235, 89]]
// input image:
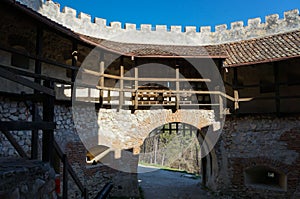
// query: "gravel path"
[[161, 184]]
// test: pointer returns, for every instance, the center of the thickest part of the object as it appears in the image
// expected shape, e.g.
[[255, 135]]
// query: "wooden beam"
[[177, 87], [44, 60], [23, 97], [39, 52], [121, 92], [38, 71], [136, 86], [15, 144], [48, 135], [23, 81], [73, 71], [235, 90], [221, 106], [34, 75], [19, 126], [35, 133], [102, 69]]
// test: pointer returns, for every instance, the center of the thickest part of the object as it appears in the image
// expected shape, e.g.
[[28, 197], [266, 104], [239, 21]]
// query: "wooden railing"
[[67, 169]]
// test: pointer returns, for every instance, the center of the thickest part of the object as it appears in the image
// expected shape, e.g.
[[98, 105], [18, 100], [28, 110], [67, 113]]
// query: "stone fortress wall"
[[161, 34]]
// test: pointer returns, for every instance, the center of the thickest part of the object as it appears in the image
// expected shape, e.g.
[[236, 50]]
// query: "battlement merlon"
[[160, 34]]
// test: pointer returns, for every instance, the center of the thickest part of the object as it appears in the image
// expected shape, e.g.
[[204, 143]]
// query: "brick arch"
[[196, 118]]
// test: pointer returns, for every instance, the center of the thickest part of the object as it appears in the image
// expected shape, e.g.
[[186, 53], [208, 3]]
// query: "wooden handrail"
[[34, 75], [44, 60], [68, 169], [98, 74]]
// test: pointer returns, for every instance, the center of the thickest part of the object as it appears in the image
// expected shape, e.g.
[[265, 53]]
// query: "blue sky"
[[188, 12]]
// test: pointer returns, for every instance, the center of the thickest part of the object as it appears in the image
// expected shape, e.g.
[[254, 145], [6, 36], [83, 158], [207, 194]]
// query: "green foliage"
[[178, 149]]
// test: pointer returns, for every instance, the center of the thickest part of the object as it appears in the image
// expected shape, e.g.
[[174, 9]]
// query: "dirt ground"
[[162, 184]]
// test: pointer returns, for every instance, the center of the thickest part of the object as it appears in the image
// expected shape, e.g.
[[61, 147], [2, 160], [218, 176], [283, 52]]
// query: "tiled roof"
[[266, 49], [254, 51], [150, 50]]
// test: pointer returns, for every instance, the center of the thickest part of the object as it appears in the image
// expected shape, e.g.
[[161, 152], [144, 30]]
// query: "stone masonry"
[[147, 34]]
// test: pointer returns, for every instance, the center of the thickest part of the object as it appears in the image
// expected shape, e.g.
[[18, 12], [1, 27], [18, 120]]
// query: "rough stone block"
[[115, 25], [84, 16], [190, 29], [161, 28], [220, 28], [272, 19], [237, 25], [176, 28], [70, 11], [100, 21], [253, 23], [130, 26], [291, 14], [146, 27], [204, 29]]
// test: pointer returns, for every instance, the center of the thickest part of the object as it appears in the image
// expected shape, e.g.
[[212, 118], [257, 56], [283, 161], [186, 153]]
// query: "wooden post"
[[102, 77], [221, 106], [277, 87], [74, 63], [136, 86], [48, 135], [177, 88], [121, 93], [235, 90], [37, 70]]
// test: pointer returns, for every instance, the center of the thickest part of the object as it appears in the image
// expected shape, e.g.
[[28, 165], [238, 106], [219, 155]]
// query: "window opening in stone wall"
[[265, 176]]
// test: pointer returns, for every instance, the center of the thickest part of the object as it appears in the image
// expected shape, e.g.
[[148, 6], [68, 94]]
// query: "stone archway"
[[123, 131], [208, 167]]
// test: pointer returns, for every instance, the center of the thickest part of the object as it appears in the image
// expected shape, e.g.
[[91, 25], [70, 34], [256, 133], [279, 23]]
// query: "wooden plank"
[[95, 73], [23, 97], [35, 133], [48, 135], [236, 99], [20, 125], [23, 81], [44, 60], [15, 144], [34, 75]]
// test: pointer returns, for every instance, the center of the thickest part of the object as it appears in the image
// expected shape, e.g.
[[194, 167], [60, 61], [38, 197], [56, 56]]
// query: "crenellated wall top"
[[160, 34]]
